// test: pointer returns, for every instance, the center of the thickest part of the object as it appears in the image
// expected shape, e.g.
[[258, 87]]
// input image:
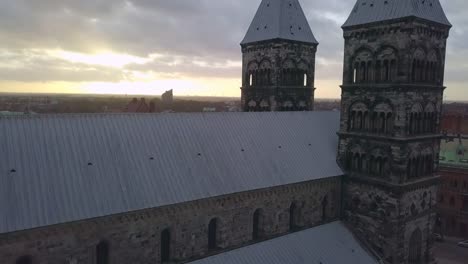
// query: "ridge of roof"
[[279, 19], [372, 11]]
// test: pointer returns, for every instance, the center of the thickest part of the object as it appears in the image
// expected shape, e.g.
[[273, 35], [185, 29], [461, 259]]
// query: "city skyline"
[[147, 47]]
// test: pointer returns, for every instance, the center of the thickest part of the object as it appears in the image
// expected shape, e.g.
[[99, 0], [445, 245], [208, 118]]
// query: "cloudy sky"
[[148, 46]]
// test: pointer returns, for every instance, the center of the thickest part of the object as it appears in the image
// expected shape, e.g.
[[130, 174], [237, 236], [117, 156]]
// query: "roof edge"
[[265, 41], [395, 20]]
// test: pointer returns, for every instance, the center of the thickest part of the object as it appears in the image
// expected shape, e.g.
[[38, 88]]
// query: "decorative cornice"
[[390, 138], [395, 188]]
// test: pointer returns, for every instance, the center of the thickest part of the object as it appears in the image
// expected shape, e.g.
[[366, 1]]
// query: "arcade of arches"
[[377, 163], [383, 66], [380, 119], [290, 74]]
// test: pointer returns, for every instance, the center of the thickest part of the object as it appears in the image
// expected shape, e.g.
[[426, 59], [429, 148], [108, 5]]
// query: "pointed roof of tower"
[[279, 19], [370, 11]]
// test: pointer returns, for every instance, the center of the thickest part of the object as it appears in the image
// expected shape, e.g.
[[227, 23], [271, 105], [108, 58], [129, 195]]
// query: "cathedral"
[[279, 184]]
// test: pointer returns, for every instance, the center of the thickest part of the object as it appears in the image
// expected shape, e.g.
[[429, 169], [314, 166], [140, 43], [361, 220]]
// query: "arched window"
[[365, 119], [386, 70], [264, 105], [389, 123], [383, 122], [358, 119], [429, 118], [102, 253], [252, 70], [378, 169], [264, 73], [378, 74], [363, 71], [212, 234], [165, 245], [352, 118], [361, 65], [415, 247], [409, 169], [383, 167], [421, 70], [360, 160], [419, 64], [293, 217], [349, 160], [369, 77], [371, 167], [252, 106], [24, 260], [305, 79], [355, 166], [289, 69], [382, 119], [324, 208], [386, 66], [429, 164], [393, 70], [415, 123], [257, 230]]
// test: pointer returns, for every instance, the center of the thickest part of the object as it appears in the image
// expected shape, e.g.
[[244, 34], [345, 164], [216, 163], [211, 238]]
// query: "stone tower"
[[389, 134], [278, 59]]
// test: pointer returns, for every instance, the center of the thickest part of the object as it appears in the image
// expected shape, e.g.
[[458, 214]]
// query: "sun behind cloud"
[[106, 58]]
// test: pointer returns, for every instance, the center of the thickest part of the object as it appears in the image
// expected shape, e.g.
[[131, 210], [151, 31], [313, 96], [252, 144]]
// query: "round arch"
[[415, 247]]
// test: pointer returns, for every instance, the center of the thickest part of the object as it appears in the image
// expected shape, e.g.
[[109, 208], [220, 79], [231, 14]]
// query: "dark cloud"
[[195, 30]]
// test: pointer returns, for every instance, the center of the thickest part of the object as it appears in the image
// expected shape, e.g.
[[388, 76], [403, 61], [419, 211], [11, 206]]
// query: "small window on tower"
[[305, 79], [354, 75], [250, 80]]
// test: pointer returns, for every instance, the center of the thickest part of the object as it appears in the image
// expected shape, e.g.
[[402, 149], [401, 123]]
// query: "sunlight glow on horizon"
[[105, 58]]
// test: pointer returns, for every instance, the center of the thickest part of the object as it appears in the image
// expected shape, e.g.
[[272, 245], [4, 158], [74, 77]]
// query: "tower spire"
[[279, 19], [372, 11], [278, 59]]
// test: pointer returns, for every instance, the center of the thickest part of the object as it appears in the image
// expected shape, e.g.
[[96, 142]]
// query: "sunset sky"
[[149, 46]]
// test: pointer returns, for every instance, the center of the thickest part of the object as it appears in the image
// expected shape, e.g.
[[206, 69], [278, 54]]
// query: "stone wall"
[[135, 237], [386, 218], [273, 76]]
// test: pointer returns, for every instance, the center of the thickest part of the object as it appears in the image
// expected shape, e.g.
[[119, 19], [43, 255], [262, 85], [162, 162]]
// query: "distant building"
[[167, 97], [137, 106], [453, 192], [209, 109], [455, 123]]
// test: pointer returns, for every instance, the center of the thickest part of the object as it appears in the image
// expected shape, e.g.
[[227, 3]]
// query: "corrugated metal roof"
[[279, 19], [370, 11], [327, 244], [57, 169]]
